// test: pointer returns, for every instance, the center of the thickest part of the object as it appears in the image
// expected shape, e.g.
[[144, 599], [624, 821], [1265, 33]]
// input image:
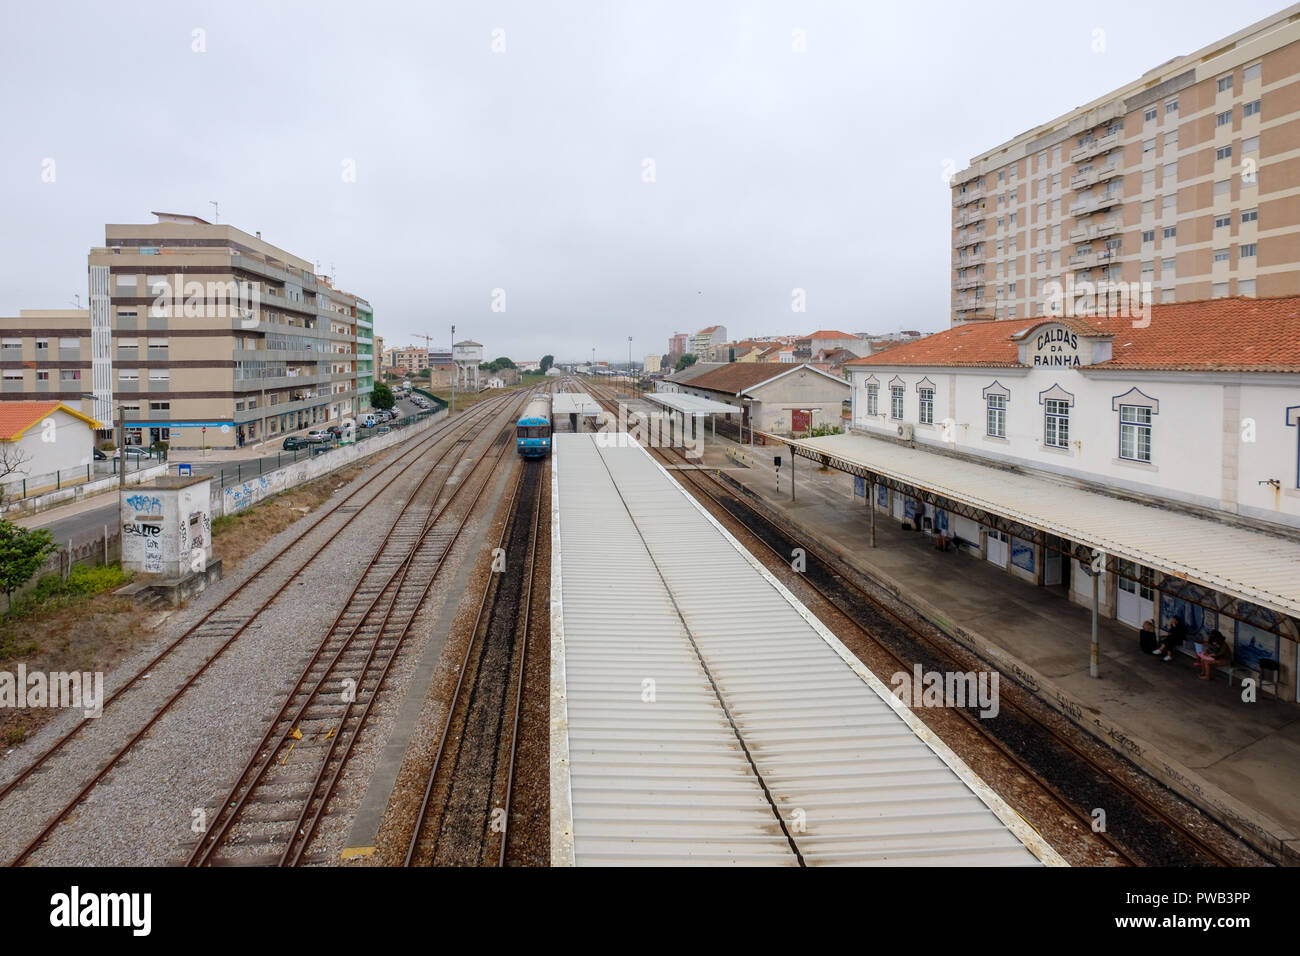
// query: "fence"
[[32, 486], [242, 471]]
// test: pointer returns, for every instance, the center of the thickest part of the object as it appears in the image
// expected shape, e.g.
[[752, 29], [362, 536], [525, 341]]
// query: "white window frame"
[[1135, 427], [995, 418]]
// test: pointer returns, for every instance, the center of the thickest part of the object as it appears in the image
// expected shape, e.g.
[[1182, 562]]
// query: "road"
[[90, 524]]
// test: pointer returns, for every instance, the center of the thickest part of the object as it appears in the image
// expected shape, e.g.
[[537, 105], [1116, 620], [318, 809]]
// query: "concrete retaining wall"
[[235, 498]]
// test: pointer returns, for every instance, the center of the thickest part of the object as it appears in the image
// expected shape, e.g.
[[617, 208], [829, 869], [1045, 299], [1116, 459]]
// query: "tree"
[[12, 462], [686, 361], [22, 551], [547, 362], [382, 397], [665, 360]]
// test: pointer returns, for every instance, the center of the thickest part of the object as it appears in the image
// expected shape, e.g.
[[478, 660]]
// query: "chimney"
[[259, 234]]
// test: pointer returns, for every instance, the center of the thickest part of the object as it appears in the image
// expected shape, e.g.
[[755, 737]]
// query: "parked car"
[[317, 436], [294, 442], [383, 429], [100, 456], [134, 451], [336, 431]]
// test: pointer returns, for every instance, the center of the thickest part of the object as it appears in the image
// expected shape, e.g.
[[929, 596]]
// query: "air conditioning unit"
[[905, 431]]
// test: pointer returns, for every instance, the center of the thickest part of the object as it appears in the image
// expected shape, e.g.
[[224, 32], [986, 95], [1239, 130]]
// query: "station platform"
[[1237, 761], [700, 714]]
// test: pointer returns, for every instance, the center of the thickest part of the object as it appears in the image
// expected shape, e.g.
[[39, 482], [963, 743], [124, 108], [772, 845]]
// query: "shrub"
[[22, 551]]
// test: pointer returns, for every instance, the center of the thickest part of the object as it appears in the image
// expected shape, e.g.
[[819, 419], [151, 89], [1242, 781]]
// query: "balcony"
[[1080, 153], [970, 282], [1093, 176], [970, 195], [1090, 260], [1086, 207], [969, 216], [1105, 228]]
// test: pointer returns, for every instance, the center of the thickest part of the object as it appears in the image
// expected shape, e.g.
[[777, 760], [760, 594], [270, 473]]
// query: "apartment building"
[[677, 344], [1184, 185], [366, 352], [703, 341], [198, 335], [410, 358]]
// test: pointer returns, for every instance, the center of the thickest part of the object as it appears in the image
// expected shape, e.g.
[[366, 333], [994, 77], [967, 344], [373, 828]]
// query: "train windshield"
[[534, 431]]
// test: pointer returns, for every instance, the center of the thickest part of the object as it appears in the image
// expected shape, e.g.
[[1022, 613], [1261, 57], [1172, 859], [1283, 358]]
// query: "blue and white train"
[[533, 430]]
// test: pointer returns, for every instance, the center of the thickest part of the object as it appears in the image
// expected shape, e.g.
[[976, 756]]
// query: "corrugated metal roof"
[[1250, 565], [759, 714], [574, 403], [692, 404]]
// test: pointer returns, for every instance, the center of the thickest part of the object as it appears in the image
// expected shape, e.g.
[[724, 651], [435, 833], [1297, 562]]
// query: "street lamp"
[[629, 368], [455, 373]]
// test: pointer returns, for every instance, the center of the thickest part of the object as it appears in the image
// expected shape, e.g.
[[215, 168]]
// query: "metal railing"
[[32, 486], [243, 470]]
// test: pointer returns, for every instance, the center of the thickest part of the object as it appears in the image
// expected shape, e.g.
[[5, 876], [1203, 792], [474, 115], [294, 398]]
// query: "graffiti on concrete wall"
[[145, 504]]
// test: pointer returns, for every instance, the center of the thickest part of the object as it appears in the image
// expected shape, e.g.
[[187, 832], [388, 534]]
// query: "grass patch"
[[52, 592]]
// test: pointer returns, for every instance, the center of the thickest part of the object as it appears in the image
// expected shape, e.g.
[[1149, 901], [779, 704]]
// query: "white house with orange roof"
[[1195, 411], [41, 439], [824, 340]]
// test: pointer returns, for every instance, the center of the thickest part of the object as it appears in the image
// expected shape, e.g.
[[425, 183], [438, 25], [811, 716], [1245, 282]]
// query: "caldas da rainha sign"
[[1055, 345]]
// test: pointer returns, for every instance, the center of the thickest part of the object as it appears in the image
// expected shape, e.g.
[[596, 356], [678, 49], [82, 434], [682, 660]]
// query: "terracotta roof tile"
[[735, 377], [1229, 335]]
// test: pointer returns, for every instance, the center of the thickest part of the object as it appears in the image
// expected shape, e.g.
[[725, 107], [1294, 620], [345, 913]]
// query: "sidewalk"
[[1238, 761]]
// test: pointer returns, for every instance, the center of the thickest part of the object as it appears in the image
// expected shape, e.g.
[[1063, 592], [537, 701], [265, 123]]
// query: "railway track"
[[464, 816], [274, 809], [215, 632], [1063, 772]]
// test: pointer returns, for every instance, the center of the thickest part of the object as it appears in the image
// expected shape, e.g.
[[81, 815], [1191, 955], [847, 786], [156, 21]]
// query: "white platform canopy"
[[1252, 566], [574, 403], [696, 705], [692, 404]]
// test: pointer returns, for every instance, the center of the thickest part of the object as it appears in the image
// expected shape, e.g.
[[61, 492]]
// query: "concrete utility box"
[[167, 526]]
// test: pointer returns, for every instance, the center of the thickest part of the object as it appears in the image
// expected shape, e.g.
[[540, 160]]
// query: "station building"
[[1193, 411], [780, 399]]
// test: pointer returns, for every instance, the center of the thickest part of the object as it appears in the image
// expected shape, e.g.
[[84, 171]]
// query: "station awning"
[[574, 403], [692, 404], [1252, 566]]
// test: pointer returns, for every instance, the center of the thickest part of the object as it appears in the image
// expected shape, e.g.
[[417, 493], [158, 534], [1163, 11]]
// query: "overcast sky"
[[526, 170]]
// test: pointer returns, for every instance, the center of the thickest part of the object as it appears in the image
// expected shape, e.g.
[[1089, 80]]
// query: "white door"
[[1134, 600], [997, 547]]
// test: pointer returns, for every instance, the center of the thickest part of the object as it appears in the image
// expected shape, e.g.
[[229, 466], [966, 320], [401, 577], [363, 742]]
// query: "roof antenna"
[[216, 211]]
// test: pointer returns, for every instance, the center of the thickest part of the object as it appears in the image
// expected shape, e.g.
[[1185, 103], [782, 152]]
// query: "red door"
[[800, 421]]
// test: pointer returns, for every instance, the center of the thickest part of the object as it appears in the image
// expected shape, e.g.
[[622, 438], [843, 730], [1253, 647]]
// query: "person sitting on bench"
[[1216, 652], [1175, 636]]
